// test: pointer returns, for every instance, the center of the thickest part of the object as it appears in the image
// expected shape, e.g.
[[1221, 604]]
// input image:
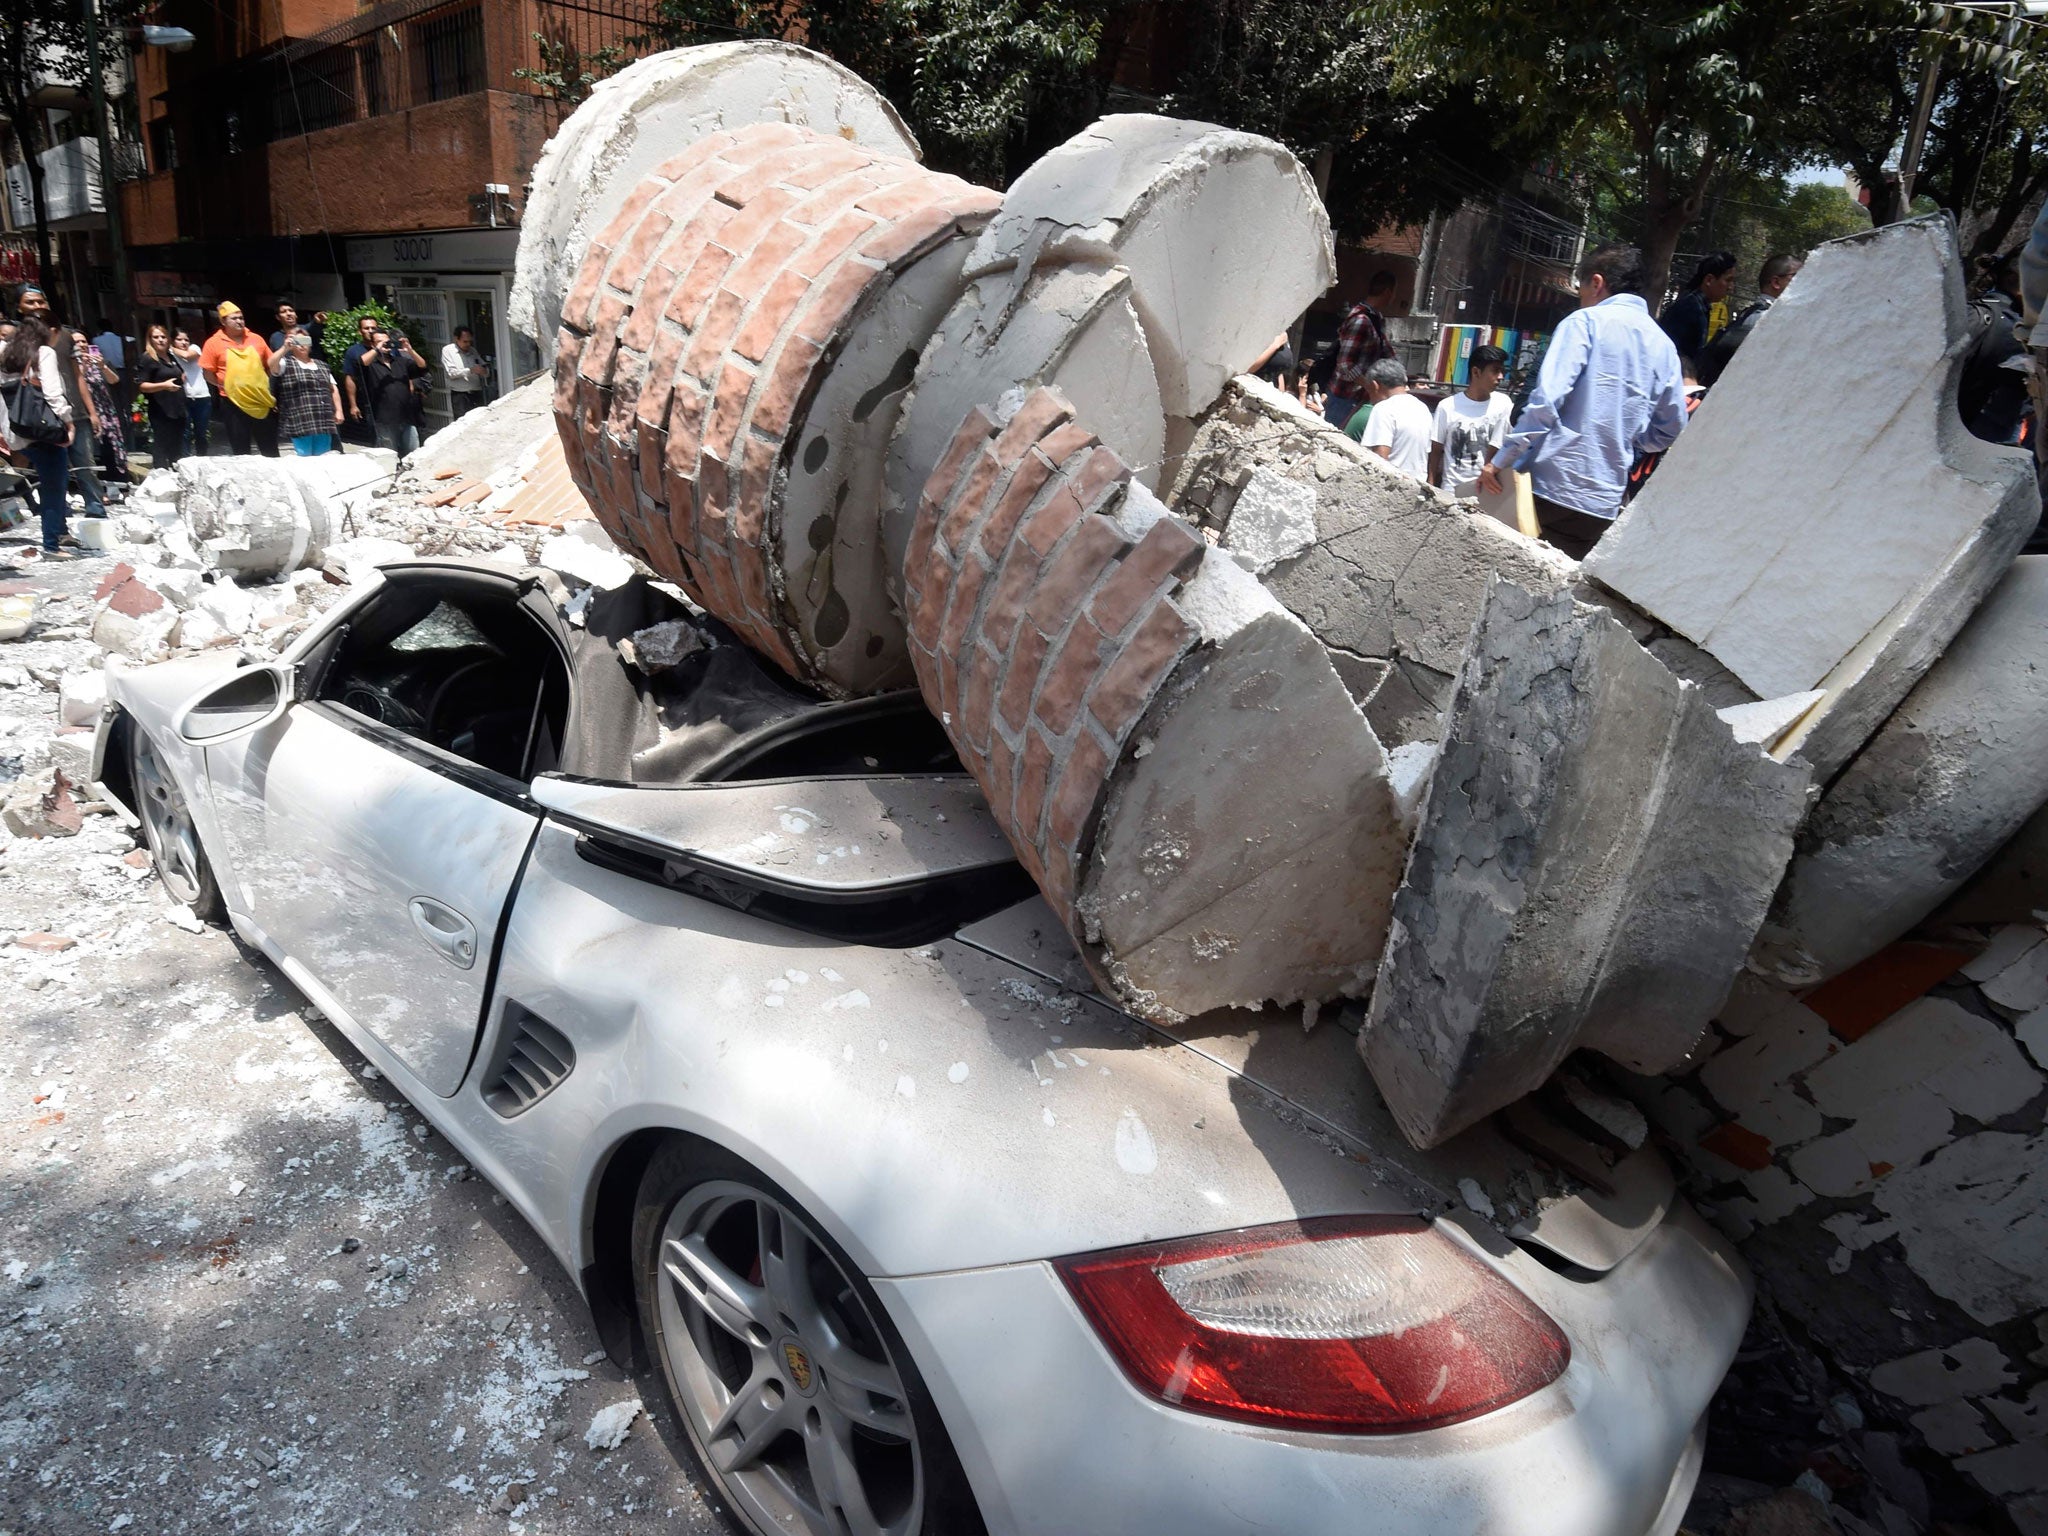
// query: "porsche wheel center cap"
[[802, 1375]]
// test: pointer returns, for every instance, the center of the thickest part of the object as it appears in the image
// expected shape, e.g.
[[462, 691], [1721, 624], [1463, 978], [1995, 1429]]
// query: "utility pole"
[[110, 191]]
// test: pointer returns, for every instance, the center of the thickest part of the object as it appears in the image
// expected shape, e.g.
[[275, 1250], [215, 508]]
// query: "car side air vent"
[[530, 1062]]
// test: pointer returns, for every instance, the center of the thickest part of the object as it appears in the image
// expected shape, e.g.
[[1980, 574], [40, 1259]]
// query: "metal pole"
[[1916, 134], [110, 191]]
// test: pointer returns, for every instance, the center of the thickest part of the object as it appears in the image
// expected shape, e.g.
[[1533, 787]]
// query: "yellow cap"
[[228, 307]]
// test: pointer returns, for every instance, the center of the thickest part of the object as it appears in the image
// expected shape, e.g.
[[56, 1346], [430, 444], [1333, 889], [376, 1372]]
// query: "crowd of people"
[[65, 397]]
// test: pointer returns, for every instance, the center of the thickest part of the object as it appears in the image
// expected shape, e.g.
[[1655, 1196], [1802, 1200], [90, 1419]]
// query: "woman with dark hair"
[[162, 383], [111, 443], [27, 364], [1688, 319]]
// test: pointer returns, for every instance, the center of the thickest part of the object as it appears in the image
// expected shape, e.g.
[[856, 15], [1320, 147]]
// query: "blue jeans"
[[198, 413], [306, 445], [401, 439], [1337, 410], [52, 465], [88, 478]]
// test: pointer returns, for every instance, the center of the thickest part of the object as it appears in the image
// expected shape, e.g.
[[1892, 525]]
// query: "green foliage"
[[986, 85], [339, 334], [566, 74]]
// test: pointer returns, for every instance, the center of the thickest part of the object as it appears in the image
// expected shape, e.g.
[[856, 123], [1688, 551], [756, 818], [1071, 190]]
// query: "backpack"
[[29, 413]]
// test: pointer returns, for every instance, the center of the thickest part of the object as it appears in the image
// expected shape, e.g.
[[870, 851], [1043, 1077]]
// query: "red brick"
[[1169, 550], [996, 774], [958, 524], [960, 606], [714, 505], [631, 259], [910, 236], [761, 217], [894, 202], [1067, 680], [789, 384], [1738, 1144], [1066, 440], [983, 666], [920, 554], [1019, 575], [686, 430], [756, 141], [928, 585], [1079, 790], [1041, 411], [940, 484], [775, 306], [659, 387], [1049, 524], [579, 308], [1146, 660], [1020, 677], [680, 164], [830, 158], [1034, 777], [604, 340], [728, 408], [1000, 527], [1100, 473], [699, 283], [753, 489], [759, 179], [1073, 573], [832, 302], [1864, 996], [833, 198], [568, 355], [766, 258], [832, 242], [714, 333]]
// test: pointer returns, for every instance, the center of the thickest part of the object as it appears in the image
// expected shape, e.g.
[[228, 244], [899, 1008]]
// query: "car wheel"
[[796, 1397], [168, 830]]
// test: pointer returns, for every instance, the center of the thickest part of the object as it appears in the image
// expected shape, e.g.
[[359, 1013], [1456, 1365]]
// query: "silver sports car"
[[741, 999]]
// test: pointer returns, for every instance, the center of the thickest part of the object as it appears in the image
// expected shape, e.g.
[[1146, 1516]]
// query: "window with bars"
[[447, 55]]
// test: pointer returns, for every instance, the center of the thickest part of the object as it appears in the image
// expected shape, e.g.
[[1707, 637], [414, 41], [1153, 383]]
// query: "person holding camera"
[[308, 400], [391, 375]]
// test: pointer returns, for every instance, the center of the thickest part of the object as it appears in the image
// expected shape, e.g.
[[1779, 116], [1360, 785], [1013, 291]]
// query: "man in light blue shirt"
[[1609, 387]]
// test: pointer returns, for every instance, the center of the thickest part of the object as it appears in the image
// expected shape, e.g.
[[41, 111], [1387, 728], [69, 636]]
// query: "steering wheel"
[[432, 713]]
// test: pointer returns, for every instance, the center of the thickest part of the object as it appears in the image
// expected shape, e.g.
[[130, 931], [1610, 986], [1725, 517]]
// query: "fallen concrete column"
[[1222, 234], [1951, 776], [1069, 328], [653, 109], [1832, 538], [1168, 750], [250, 516], [733, 357], [1391, 576], [1595, 854]]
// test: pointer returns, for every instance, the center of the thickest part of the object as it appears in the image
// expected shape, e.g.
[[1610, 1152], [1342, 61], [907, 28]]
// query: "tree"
[[1691, 87], [566, 73], [986, 85]]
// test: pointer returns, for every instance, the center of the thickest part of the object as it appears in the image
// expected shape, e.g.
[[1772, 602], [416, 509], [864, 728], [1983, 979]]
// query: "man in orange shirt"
[[238, 362]]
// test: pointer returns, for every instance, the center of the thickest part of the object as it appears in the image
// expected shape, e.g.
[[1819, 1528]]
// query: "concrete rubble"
[[1594, 881], [1756, 539]]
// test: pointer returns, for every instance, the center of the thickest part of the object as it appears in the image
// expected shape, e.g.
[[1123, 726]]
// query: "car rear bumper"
[[1057, 1442]]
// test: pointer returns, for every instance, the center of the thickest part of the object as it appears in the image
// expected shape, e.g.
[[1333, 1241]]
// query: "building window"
[[163, 145], [448, 55], [318, 91]]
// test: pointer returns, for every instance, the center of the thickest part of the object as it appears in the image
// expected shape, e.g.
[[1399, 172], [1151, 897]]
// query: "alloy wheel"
[[167, 824], [786, 1386]]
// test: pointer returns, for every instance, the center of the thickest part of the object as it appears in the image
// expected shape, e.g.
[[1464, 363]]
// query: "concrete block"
[[1070, 329], [1169, 751], [81, 695], [1395, 575], [1595, 853], [248, 517], [1222, 233], [652, 110], [1272, 520], [1837, 538], [1946, 781]]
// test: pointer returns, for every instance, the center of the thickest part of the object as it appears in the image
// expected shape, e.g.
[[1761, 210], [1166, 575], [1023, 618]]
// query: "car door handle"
[[446, 929]]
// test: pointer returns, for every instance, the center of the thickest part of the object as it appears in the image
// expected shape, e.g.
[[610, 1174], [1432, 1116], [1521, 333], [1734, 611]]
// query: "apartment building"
[[323, 152]]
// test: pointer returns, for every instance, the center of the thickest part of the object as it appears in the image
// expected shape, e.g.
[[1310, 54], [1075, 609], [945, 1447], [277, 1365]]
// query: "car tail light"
[[1341, 1325]]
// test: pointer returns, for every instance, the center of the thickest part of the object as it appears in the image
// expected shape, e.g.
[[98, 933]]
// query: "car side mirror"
[[246, 702]]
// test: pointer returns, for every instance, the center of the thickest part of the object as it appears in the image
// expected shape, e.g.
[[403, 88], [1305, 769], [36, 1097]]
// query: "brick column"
[[701, 325]]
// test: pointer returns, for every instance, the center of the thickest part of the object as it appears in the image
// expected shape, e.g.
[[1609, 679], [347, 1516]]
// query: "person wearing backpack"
[[38, 423]]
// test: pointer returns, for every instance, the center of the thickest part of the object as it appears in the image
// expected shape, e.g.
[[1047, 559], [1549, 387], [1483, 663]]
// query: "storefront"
[[441, 280]]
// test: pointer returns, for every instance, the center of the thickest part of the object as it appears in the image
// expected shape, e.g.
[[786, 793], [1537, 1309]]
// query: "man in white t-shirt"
[[1472, 424], [1398, 430]]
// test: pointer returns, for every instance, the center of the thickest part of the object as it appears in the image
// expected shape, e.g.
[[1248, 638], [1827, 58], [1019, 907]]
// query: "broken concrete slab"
[[1273, 519], [1072, 329], [1595, 853], [652, 110], [1953, 774], [1082, 646], [1221, 232], [251, 517], [1394, 575], [1832, 539]]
